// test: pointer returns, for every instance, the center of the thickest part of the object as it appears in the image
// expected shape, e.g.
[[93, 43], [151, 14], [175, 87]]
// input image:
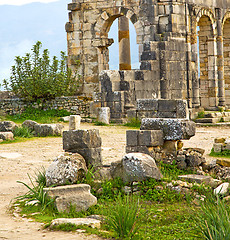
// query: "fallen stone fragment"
[[219, 140], [223, 162], [6, 136], [77, 196], [66, 168], [135, 167], [7, 126], [65, 119], [222, 189], [44, 130], [195, 178], [30, 124], [77, 221]]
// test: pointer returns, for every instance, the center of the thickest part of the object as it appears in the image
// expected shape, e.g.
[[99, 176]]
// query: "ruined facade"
[[184, 51]]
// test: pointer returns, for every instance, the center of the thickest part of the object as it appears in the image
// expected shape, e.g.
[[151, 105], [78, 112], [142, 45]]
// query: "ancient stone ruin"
[[183, 51]]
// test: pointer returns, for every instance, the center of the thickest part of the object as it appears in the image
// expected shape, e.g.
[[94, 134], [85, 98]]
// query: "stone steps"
[[214, 117]]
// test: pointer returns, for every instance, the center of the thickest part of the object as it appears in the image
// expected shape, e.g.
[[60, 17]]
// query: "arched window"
[[114, 48]]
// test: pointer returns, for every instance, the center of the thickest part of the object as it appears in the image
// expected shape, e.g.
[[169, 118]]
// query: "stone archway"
[[102, 27], [207, 58], [226, 52]]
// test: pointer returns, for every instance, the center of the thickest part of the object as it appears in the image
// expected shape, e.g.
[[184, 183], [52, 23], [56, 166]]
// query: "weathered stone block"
[[103, 115], [173, 129], [77, 195], [167, 105], [195, 178], [132, 137], [7, 126], [29, 124], [92, 156], [80, 139], [93, 223], [219, 140], [151, 138], [147, 104], [74, 6], [217, 147], [6, 136], [74, 122], [44, 130], [135, 167], [66, 168]]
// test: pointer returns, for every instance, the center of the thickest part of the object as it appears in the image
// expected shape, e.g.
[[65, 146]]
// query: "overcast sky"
[[22, 2]]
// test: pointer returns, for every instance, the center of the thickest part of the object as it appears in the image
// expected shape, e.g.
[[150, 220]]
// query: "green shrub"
[[122, 218], [23, 132], [213, 219], [36, 77]]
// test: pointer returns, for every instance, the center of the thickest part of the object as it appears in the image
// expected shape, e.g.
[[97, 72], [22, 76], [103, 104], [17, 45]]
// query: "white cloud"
[[23, 2]]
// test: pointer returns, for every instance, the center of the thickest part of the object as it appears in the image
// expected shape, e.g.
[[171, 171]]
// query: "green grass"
[[23, 132], [213, 220], [122, 217], [38, 115], [134, 123], [160, 213], [225, 153], [96, 123], [201, 114]]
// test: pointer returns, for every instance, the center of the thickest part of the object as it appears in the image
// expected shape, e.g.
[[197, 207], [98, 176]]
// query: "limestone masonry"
[[167, 35]]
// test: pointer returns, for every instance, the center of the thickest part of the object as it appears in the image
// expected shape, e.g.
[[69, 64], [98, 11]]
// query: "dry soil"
[[18, 159]]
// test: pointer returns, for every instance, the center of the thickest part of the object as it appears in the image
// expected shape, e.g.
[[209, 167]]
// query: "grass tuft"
[[122, 218], [213, 219]]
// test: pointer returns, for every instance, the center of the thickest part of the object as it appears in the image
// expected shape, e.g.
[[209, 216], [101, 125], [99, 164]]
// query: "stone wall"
[[75, 105], [167, 38]]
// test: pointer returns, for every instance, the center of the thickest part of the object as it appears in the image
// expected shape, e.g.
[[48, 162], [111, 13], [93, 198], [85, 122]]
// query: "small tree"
[[36, 77]]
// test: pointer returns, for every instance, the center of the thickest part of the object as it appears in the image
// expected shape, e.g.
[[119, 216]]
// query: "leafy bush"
[[23, 132], [213, 220], [35, 76], [122, 217]]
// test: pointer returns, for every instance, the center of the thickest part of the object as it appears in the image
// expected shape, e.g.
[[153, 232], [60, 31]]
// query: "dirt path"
[[18, 159]]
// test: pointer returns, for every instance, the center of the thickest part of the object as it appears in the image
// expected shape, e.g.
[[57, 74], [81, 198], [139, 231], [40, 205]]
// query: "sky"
[[24, 22], [22, 2]]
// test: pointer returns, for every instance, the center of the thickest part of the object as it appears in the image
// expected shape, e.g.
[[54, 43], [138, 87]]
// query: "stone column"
[[124, 44], [220, 64]]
